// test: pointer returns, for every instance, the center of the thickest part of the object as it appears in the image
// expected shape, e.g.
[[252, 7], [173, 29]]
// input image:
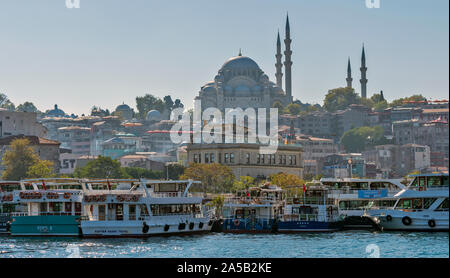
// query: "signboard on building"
[[68, 162]]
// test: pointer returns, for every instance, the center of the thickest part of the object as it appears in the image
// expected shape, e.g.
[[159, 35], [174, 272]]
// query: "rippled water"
[[347, 244]]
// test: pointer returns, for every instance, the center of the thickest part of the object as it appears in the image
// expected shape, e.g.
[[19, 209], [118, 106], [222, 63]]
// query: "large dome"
[[240, 62]]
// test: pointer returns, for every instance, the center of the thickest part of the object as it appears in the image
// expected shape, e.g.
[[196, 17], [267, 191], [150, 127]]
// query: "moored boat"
[[143, 208], [7, 204], [254, 210], [51, 207], [313, 212], [423, 206]]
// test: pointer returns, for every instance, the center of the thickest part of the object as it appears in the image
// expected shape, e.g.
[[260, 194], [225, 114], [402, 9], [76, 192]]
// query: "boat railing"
[[310, 200], [252, 200], [310, 217], [44, 213]]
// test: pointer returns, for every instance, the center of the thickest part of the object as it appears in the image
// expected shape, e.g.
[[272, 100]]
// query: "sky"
[[107, 52]]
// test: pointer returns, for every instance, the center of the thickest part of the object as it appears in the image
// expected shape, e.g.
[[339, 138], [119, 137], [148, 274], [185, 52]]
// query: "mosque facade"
[[241, 83]]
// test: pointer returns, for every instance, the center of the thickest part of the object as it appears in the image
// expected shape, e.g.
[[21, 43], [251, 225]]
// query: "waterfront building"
[[246, 160], [17, 123]]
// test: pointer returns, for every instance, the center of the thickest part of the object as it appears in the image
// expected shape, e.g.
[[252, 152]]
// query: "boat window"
[[404, 204], [144, 211], [55, 207], [9, 187], [101, 213], [417, 203], [132, 212], [43, 207], [443, 206], [68, 207], [422, 181], [428, 202]]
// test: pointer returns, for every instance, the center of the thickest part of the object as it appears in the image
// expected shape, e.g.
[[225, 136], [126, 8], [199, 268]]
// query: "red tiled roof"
[[34, 140]]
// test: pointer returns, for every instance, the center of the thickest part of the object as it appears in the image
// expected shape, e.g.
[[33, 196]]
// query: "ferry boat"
[[254, 210], [142, 209], [423, 206], [7, 204], [354, 196], [313, 212], [50, 207]]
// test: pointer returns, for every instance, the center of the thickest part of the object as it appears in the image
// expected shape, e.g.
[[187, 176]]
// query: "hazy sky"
[[110, 51]]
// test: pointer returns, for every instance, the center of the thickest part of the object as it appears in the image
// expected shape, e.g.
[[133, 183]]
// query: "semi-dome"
[[56, 112], [153, 115], [240, 62]]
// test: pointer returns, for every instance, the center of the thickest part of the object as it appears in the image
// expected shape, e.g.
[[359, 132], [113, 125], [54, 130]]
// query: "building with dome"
[[56, 112], [125, 111], [153, 116], [240, 82]]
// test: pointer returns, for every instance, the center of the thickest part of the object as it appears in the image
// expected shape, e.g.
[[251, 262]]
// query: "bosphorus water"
[[346, 244]]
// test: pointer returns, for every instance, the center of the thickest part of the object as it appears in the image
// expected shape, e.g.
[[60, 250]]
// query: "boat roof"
[[358, 180], [408, 193], [429, 175]]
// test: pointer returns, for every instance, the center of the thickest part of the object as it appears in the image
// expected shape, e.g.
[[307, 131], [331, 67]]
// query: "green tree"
[[339, 99], [292, 109], [244, 182], [175, 171], [27, 107], [377, 98], [6, 103], [214, 177], [217, 203], [17, 159], [147, 103], [103, 167], [279, 106], [362, 138], [41, 169], [141, 173], [22, 162], [401, 101], [380, 106]]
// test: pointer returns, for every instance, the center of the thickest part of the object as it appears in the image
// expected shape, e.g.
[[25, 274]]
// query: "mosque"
[[240, 82]]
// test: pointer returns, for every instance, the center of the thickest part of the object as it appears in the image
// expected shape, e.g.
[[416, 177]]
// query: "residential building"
[[20, 123], [76, 138]]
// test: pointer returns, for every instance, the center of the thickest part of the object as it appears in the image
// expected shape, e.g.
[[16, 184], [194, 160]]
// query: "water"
[[347, 244]]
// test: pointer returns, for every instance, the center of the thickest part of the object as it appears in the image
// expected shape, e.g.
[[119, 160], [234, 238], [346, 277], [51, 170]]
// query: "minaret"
[[278, 65], [363, 75], [287, 59], [349, 74]]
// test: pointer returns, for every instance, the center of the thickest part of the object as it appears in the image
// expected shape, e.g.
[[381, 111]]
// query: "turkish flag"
[[43, 185], [304, 188], [109, 185]]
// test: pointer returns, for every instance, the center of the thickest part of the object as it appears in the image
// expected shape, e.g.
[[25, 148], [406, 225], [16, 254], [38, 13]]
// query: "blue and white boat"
[[255, 210], [49, 207], [423, 206], [7, 204], [312, 212]]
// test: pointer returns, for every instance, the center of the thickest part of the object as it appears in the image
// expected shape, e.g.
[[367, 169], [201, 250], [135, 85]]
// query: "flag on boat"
[[43, 185], [109, 185], [304, 188]]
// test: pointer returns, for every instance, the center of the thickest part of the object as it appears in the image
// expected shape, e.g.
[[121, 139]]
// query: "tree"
[[377, 98], [6, 103], [141, 173], [401, 101], [340, 99], [178, 104], [292, 109], [18, 159], [279, 106], [27, 107], [289, 182], [168, 102], [244, 182], [362, 138], [22, 162], [147, 103], [103, 167], [175, 171], [217, 203], [214, 177], [41, 169], [380, 106]]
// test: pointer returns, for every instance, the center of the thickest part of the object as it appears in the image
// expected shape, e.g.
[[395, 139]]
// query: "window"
[[294, 162], [199, 158], [281, 159], [284, 159], [231, 157], [273, 159], [132, 212], [290, 160], [206, 157], [247, 158], [226, 158], [195, 158], [220, 157], [262, 158], [443, 206], [258, 158], [211, 156]]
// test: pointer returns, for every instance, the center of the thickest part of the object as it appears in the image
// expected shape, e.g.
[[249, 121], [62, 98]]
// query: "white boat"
[[354, 196], [422, 206], [142, 209]]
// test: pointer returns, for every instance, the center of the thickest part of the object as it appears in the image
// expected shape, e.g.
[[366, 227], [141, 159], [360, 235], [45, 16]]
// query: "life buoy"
[[406, 221], [388, 218], [21, 195], [236, 222], [431, 223], [67, 195]]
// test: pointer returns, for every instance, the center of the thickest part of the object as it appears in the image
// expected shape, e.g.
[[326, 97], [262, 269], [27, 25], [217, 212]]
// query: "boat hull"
[[309, 226], [248, 226], [418, 223], [45, 225], [119, 229]]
